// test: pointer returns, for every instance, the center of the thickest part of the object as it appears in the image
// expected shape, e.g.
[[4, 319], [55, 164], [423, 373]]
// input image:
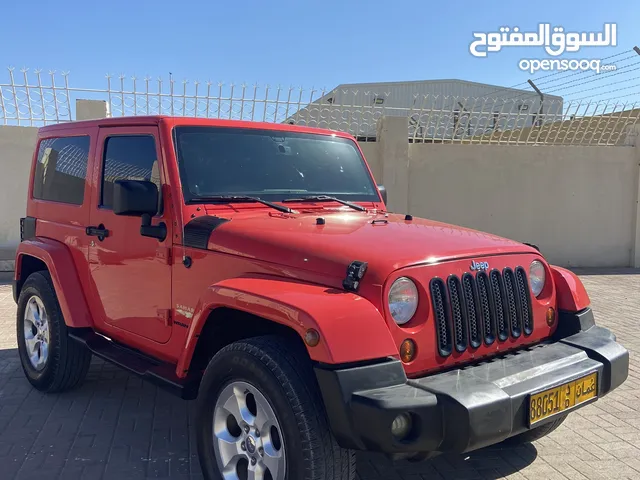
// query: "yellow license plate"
[[564, 397]]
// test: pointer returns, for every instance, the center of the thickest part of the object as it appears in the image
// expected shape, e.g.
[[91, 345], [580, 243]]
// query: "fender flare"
[[351, 328], [59, 261], [570, 292]]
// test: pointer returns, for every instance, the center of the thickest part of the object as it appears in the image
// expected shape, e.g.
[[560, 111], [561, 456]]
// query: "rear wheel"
[[260, 416], [51, 361]]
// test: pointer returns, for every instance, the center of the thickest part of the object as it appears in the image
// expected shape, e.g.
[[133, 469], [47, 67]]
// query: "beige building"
[[437, 109]]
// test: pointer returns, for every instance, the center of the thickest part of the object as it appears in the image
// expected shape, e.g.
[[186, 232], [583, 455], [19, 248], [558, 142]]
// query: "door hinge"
[[164, 253], [165, 315]]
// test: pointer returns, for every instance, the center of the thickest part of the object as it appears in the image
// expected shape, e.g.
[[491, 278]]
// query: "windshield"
[[272, 165]]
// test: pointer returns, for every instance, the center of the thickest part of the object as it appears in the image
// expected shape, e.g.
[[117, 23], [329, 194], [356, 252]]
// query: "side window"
[[61, 169], [128, 157]]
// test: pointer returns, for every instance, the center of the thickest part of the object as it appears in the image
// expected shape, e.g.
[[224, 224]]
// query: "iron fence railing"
[[37, 98], [516, 122]]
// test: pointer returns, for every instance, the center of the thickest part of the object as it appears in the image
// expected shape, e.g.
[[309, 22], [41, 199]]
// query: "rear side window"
[[61, 169], [128, 157]]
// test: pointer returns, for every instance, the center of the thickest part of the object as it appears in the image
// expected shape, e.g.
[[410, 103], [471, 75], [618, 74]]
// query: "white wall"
[[370, 151], [16, 150], [576, 203]]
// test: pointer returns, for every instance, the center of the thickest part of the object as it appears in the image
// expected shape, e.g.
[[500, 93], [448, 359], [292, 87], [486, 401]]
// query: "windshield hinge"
[[164, 254], [165, 315]]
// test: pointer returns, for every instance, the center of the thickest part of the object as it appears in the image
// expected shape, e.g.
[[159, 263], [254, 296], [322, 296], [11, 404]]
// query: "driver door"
[[131, 274]]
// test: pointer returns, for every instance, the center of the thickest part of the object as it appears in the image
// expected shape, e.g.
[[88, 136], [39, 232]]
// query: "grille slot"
[[497, 291], [442, 316], [525, 300], [487, 308], [484, 307], [514, 316], [457, 315], [473, 315]]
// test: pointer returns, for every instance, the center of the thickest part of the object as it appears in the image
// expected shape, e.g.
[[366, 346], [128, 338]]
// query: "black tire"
[[535, 434], [67, 361], [282, 372]]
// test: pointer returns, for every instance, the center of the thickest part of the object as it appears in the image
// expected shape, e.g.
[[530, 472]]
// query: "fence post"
[[393, 138], [91, 109]]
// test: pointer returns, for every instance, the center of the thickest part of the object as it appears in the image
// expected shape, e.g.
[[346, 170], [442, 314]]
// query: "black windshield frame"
[[368, 194]]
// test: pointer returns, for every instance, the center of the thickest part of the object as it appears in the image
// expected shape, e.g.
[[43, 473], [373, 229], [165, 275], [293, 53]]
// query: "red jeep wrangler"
[[255, 267]]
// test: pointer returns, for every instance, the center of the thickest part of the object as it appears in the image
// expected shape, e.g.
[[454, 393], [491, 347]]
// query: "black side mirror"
[[383, 193], [139, 198], [135, 198]]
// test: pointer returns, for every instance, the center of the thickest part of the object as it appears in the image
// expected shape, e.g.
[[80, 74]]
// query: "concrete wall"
[[579, 204], [635, 247], [91, 109], [372, 154], [16, 150], [576, 203]]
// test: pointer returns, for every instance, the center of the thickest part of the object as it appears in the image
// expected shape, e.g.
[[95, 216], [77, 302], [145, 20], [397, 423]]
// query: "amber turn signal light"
[[312, 337], [408, 350], [551, 316]]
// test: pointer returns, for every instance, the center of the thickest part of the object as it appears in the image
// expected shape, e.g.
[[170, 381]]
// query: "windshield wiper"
[[326, 198], [240, 198]]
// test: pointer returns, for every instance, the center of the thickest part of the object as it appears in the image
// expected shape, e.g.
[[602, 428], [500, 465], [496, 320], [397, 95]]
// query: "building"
[[436, 109]]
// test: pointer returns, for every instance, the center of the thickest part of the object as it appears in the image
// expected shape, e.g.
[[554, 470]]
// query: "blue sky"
[[308, 43]]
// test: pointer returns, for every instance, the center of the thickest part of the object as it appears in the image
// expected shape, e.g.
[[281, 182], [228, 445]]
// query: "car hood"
[[386, 242]]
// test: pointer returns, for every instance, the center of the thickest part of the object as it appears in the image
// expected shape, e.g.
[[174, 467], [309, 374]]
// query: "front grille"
[[481, 308]]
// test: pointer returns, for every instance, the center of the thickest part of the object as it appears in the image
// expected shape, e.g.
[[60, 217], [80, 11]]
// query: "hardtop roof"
[[139, 120]]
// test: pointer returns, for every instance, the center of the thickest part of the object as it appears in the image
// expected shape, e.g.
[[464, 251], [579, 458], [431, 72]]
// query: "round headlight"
[[403, 300], [536, 277]]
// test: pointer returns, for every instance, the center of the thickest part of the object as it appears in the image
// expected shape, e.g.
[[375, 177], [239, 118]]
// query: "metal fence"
[[36, 98], [510, 121]]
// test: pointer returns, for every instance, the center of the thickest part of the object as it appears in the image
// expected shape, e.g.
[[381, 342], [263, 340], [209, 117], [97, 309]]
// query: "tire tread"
[[71, 360], [322, 454], [536, 433]]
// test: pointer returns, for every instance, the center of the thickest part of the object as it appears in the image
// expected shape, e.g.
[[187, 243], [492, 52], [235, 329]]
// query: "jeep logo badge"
[[479, 266], [251, 445]]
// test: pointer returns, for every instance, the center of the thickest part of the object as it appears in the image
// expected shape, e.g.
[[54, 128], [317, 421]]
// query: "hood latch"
[[355, 272]]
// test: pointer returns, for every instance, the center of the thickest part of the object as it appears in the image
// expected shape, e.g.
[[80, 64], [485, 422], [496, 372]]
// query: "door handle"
[[100, 231]]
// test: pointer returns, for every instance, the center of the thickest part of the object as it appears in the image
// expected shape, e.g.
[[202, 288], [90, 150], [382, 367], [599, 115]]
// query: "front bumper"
[[471, 407]]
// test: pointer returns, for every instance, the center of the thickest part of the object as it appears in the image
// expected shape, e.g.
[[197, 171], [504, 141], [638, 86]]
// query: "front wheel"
[[260, 416], [536, 433]]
